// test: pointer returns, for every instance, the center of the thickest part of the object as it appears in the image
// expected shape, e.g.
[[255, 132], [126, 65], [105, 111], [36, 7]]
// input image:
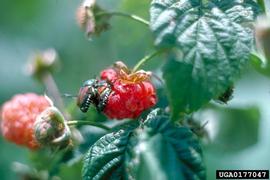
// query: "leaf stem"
[[78, 122], [145, 59], [131, 16]]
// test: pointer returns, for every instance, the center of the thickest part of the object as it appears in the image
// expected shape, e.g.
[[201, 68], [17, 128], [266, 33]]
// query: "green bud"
[[42, 63], [51, 129]]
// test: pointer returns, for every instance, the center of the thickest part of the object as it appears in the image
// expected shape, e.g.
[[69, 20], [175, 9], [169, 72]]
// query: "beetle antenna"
[[157, 78], [69, 95], [204, 124]]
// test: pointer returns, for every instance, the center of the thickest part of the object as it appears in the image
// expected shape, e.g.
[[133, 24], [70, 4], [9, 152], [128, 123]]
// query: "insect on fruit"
[[119, 93], [93, 92]]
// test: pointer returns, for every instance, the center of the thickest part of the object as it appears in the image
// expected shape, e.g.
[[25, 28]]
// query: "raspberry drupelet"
[[132, 93], [18, 116]]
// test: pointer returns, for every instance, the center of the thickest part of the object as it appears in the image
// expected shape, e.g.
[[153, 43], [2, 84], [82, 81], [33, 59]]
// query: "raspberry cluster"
[[132, 93], [18, 117]]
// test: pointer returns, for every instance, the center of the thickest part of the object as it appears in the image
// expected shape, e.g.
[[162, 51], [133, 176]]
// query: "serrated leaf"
[[152, 164], [189, 23], [106, 154], [157, 149], [186, 93], [214, 41], [162, 150]]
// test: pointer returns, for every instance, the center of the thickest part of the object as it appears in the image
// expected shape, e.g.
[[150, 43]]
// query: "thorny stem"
[[78, 122], [131, 16], [145, 59]]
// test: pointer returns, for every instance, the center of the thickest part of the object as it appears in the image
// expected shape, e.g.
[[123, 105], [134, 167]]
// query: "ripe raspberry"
[[18, 118], [132, 93], [108, 74]]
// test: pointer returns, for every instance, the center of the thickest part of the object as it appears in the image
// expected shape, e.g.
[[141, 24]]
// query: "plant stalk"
[[53, 91], [145, 59], [131, 16], [77, 122]]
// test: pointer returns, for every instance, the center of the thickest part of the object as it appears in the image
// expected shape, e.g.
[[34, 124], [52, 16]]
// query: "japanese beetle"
[[227, 95], [93, 92]]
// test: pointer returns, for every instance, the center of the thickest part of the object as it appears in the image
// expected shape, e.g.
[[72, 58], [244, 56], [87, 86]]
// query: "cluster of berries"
[[31, 120]]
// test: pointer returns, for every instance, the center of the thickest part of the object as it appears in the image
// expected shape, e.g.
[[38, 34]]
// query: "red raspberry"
[[109, 74], [128, 98], [18, 118]]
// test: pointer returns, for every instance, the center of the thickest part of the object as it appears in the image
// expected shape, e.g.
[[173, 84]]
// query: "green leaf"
[[265, 6], [157, 159], [238, 128], [157, 149], [214, 43], [70, 172], [91, 135], [106, 154], [162, 150], [202, 28], [186, 92], [257, 62]]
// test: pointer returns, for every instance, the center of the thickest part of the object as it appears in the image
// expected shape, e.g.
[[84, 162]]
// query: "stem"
[[145, 59], [53, 91], [131, 16], [75, 122]]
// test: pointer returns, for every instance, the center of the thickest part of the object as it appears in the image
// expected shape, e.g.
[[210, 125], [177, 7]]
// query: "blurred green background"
[[27, 26]]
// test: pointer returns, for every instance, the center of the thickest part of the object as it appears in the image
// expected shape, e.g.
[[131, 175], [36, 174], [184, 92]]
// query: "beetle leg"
[[103, 99], [90, 98]]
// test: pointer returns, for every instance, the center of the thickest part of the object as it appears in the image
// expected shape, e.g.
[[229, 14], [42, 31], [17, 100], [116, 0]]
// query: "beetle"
[[226, 96], [94, 92]]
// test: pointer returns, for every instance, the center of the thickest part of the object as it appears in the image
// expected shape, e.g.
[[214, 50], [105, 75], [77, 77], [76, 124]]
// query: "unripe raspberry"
[[51, 129], [18, 117], [132, 93]]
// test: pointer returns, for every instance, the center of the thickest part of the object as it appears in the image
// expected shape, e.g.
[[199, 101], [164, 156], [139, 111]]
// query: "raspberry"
[[109, 74], [131, 94], [18, 118]]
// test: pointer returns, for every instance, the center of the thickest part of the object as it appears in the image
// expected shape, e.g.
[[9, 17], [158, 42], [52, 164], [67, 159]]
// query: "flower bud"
[[51, 129], [43, 62], [90, 20]]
